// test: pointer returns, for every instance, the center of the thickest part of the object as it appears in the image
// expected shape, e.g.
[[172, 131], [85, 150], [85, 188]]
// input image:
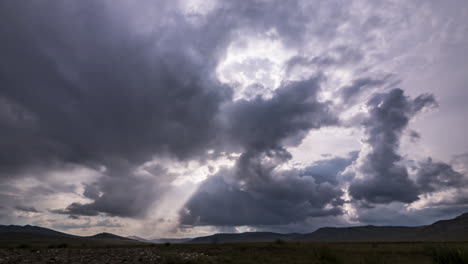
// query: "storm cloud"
[[257, 193], [384, 178], [99, 96], [223, 113]]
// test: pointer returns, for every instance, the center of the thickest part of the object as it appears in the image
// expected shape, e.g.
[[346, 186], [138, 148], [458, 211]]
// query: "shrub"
[[279, 242], [448, 255], [324, 255], [374, 258], [62, 245], [22, 246]]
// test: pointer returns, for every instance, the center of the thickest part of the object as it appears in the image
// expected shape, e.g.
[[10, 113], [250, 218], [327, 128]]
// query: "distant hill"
[[137, 238], [453, 229], [242, 237], [160, 240], [170, 240], [446, 230], [14, 234], [32, 230], [44, 240], [110, 236], [363, 233]]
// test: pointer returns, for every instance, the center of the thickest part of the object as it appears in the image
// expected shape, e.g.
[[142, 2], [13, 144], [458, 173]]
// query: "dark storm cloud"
[[79, 85], [222, 202], [385, 178], [432, 176], [99, 96], [254, 192], [261, 128], [91, 191], [86, 84], [76, 209], [122, 193], [263, 124], [91, 92]]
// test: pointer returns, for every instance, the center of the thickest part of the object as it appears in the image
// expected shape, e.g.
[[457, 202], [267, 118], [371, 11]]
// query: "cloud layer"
[[109, 110]]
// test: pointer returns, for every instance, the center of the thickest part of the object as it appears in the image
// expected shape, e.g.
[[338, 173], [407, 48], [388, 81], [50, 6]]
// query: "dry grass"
[[249, 253]]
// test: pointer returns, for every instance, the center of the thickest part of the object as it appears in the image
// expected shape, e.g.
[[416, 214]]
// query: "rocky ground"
[[96, 255]]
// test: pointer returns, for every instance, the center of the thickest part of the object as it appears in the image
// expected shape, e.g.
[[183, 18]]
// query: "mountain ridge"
[[455, 229]]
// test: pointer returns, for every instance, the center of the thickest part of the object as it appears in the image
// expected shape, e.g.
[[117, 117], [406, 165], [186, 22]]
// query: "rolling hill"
[[110, 236], [446, 230], [32, 230], [14, 235], [242, 237]]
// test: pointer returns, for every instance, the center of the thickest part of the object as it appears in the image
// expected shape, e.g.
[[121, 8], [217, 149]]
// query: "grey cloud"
[[95, 96], [81, 84], [281, 201], [336, 56], [77, 209], [328, 170], [99, 96], [267, 123], [414, 135], [319, 18], [256, 193], [122, 194], [385, 178], [432, 176], [88, 224], [98, 93], [358, 86], [91, 191], [29, 209]]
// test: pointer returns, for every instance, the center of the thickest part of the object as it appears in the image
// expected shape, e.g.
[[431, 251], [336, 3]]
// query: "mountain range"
[[445, 230]]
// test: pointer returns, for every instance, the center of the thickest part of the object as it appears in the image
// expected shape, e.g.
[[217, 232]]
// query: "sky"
[[187, 118]]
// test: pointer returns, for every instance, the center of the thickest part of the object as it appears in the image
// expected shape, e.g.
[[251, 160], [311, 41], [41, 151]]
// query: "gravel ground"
[[94, 255]]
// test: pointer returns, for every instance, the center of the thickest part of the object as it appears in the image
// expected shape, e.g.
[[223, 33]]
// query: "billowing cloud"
[[110, 109], [257, 192], [432, 176], [383, 178]]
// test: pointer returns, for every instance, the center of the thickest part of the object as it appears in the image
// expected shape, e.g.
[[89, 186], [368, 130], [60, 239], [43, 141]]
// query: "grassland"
[[241, 253]]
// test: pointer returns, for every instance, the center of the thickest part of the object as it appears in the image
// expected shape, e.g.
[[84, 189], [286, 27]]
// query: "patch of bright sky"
[[197, 7], [429, 200], [334, 141], [66, 187], [66, 184], [254, 65]]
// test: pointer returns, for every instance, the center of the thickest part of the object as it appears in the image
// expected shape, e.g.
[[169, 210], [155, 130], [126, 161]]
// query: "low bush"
[[22, 246], [326, 256], [448, 255]]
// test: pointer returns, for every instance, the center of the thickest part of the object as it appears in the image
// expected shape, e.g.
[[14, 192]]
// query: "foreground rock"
[[94, 255]]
